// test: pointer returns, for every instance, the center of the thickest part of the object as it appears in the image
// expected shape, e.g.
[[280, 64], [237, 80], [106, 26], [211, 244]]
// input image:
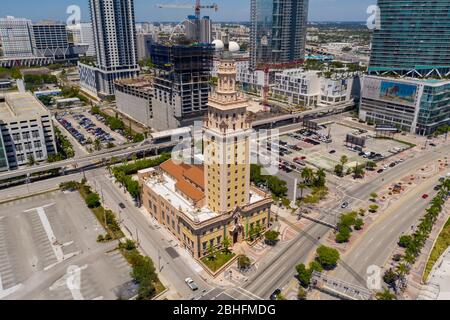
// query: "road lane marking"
[[57, 248]]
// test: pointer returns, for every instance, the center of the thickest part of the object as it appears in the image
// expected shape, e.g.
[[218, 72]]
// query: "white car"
[[191, 284]]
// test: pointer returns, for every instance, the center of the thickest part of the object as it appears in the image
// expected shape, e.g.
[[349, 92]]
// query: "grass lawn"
[[442, 243], [220, 258], [112, 228]]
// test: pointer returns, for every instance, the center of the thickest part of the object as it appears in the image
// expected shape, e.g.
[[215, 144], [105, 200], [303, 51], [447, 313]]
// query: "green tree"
[[281, 297], [303, 275], [359, 223], [358, 171], [406, 241], [97, 145], [315, 266], [302, 186], [271, 237], [244, 262], [307, 175], [16, 74], [327, 257], [211, 252], [31, 160], [70, 185], [93, 200], [343, 235], [385, 295], [371, 165], [373, 208], [390, 277], [302, 294], [277, 186], [339, 170], [344, 160], [320, 178], [226, 244]]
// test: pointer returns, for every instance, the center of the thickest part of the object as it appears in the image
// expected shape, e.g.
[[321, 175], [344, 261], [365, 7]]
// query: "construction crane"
[[197, 7]]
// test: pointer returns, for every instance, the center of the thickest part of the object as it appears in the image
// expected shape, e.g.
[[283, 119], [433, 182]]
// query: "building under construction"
[[182, 82]]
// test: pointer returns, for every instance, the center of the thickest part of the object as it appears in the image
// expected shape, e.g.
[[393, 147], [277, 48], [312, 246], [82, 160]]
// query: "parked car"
[[344, 205], [425, 196]]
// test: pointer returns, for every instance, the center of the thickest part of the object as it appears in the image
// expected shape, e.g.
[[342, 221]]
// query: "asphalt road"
[[274, 272], [375, 246], [152, 242]]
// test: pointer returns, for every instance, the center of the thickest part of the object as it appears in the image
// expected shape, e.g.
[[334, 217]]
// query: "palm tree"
[[358, 171], [211, 252], [385, 295], [344, 160], [446, 185], [97, 145], [226, 243], [302, 186], [320, 178], [31, 160], [402, 270], [408, 259], [438, 202], [307, 175]]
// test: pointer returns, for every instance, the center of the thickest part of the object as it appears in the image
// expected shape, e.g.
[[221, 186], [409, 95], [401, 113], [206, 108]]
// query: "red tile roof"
[[190, 178]]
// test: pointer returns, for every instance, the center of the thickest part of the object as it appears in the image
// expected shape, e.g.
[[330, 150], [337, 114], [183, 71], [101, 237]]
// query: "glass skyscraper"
[[278, 31], [414, 35]]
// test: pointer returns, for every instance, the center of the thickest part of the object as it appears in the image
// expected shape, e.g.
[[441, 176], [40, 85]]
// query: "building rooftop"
[[178, 182], [430, 81], [18, 105], [144, 83]]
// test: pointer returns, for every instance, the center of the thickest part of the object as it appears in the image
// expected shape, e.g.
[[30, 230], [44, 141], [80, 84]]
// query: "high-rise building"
[[113, 23], [414, 37], [26, 129], [198, 29], [412, 41], [182, 83], [278, 31], [144, 42], [50, 40], [16, 37], [83, 34], [227, 144], [134, 99]]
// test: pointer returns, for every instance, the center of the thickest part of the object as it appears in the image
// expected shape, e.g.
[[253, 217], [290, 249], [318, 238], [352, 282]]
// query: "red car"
[[425, 196]]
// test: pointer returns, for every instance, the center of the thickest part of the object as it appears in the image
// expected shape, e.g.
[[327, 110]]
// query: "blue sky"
[[230, 10]]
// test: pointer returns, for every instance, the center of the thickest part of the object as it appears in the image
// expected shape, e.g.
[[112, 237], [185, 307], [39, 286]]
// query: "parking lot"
[[325, 147], [86, 128], [48, 251]]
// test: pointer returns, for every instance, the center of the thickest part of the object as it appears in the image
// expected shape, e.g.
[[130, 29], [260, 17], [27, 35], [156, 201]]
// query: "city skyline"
[[319, 10]]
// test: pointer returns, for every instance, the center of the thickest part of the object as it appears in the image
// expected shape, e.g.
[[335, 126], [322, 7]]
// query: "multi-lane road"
[[274, 272]]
